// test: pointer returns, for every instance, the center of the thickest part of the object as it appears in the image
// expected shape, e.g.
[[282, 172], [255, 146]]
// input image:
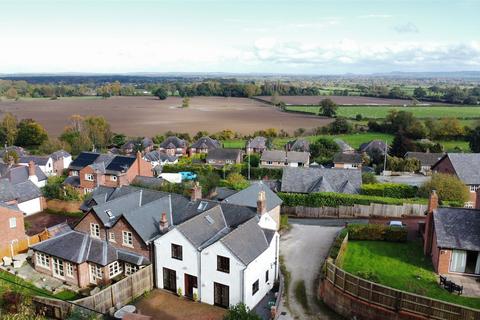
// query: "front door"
[[58, 268], [221, 295], [170, 280], [190, 283]]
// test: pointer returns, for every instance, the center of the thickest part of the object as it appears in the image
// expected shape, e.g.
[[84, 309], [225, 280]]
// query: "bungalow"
[[256, 145], [427, 160], [220, 257], [90, 170], [174, 146], [308, 180], [373, 147], [466, 166], [204, 145], [452, 239], [347, 160], [299, 145], [61, 161], [280, 159], [44, 163], [221, 157]]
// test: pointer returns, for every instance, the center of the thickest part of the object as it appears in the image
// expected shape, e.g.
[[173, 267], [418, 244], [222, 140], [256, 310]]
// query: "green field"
[[379, 112], [354, 140], [399, 265]]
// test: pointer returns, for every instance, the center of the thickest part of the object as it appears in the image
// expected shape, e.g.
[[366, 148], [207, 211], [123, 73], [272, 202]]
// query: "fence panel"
[[397, 300]]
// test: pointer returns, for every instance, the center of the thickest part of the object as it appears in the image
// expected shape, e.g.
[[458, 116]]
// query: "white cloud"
[[375, 16], [408, 27]]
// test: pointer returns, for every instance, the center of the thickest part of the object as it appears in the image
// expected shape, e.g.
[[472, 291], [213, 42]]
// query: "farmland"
[[344, 100], [147, 116], [378, 112]]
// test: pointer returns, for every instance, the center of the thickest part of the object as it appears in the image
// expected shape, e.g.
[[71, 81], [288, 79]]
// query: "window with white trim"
[[12, 222], [474, 187], [111, 236], [127, 238], [468, 204], [113, 178], [130, 269], [58, 270], [87, 190], [114, 269], [74, 173], [89, 177], [96, 273], [42, 260], [95, 230], [69, 269]]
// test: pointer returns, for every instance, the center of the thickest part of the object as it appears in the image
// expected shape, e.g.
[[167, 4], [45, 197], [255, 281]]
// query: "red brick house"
[[452, 238], [173, 146], [11, 225], [203, 146], [90, 170], [466, 166]]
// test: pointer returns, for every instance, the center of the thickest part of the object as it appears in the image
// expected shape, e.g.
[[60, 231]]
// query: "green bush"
[[55, 190], [448, 187], [392, 190], [331, 199], [369, 177], [376, 232], [337, 243]]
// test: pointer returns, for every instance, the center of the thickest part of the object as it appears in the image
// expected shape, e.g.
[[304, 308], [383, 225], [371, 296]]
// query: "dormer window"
[[109, 213], [202, 206]]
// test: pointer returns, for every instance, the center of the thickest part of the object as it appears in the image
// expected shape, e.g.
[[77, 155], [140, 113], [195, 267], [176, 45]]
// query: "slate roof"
[[27, 190], [257, 143], [78, 247], [19, 173], [457, 228], [248, 197], [223, 154], [341, 157], [41, 161], [73, 181], [146, 181], [222, 193], [19, 150], [7, 191], [247, 241], [425, 158], [300, 145], [206, 143], [173, 142], [205, 228], [119, 164], [285, 156], [60, 154], [156, 155], [466, 165], [374, 145], [343, 145], [307, 180]]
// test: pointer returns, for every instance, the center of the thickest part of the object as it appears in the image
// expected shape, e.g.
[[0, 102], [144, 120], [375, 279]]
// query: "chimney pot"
[[163, 223], [432, 202], [31, 169]]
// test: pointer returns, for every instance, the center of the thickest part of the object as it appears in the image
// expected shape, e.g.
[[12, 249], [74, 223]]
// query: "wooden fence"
[[22, 245], [357, 211], [121, 292], [60, 205], [397, 300]]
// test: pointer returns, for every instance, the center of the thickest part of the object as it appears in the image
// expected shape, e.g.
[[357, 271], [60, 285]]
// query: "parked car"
[[396, 223]]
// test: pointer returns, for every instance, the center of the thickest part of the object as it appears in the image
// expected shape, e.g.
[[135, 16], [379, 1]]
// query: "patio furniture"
[[7, 261], [443, 280], [456, 288], [120, 314], [17, 264]]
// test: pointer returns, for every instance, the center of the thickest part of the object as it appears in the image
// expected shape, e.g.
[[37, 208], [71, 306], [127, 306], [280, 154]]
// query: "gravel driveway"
[[304, 248]]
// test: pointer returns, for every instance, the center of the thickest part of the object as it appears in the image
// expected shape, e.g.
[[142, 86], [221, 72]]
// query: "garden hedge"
[[331, 199], [376, 232], [392, 190]]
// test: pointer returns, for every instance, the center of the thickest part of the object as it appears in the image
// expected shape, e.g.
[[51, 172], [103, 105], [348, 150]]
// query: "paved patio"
[[471, 287], [163, 305]]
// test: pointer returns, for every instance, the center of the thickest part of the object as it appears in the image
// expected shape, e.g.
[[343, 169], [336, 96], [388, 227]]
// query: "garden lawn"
[[398, 265]]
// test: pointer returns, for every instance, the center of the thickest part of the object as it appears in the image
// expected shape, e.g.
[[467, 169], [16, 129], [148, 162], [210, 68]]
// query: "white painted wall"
[[163, 258], [67, 161], [233, 279], [31, 206], [267, 222]]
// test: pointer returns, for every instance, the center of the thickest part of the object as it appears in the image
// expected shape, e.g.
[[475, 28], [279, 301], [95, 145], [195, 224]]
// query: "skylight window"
[[202, 206], [109, 213], [209, 219]]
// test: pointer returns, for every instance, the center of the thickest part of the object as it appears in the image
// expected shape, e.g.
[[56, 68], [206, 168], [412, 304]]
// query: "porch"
[[471, 285]]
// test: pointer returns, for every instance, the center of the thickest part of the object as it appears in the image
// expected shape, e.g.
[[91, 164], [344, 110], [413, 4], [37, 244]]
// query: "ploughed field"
[[147, 116]]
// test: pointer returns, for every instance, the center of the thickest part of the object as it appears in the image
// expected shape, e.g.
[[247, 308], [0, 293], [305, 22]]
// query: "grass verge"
[[287, 277], [301, 295]]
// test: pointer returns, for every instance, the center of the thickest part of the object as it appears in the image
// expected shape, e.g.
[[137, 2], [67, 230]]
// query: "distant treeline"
[[106, 86]]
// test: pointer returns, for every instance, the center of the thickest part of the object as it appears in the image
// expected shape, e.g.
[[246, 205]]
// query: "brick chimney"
[[261, 203], [196, 192], [477, 199], [163, 223], [31, 169], [428, 235], [139, 162]]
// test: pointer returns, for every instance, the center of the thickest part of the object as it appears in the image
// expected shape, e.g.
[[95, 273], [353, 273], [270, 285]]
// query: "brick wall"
[[86, 183], [8, 234]]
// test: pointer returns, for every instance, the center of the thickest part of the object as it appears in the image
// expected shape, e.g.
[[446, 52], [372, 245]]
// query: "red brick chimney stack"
[[139, 162], [163, 223], [261, 203], [196, 192], [432, 202], [31, 169], [428, 236]]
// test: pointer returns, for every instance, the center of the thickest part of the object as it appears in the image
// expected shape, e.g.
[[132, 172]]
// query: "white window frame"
[[468, 204], [96, 273], [42, 260], [68, 269], [474, 187], [127, 238], [113, 178], [95, 230], [74, 173], [12, 222], [114, 269], [87, 190], [58, 269], [89, 177], [111, 237], [130, 269]]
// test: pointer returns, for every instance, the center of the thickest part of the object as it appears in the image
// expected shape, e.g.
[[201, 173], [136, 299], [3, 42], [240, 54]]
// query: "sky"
[[262, 36]]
